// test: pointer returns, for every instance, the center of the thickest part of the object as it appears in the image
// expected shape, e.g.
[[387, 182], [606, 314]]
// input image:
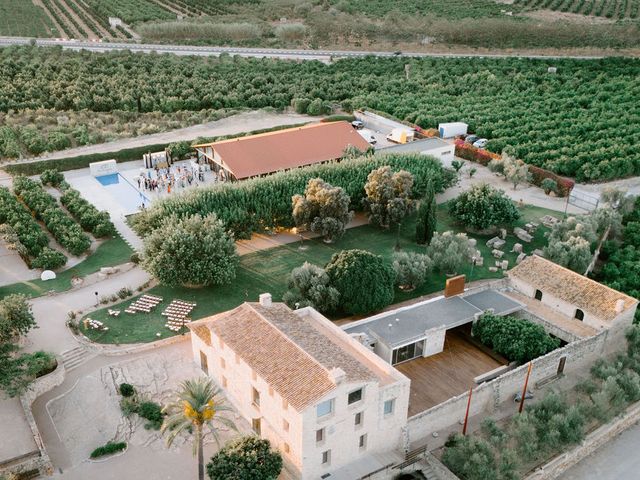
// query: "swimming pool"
[[124, 192]]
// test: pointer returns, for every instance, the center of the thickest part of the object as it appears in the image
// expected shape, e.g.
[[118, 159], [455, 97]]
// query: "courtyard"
[[437, 378]]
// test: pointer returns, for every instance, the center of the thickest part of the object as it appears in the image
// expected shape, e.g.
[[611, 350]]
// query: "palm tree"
[[198, 403]]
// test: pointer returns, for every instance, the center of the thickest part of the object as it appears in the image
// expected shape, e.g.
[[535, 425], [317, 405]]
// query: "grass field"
[[109, 253], [21, 18], [267, 271]]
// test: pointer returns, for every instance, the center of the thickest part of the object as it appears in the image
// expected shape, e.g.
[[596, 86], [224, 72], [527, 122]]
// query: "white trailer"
[[453, 129]]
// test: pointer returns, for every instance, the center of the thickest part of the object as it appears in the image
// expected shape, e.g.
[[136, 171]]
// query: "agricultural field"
[[24, 19], [436, 8], [130, 11], [578, 122], [612, 9]]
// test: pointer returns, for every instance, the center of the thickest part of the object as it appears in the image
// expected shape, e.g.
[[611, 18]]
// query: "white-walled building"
[[329, 404], [573, 295]]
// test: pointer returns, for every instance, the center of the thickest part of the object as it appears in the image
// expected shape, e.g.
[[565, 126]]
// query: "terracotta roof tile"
[[290, 148], [586, 294], [203, 332], [292, 356]]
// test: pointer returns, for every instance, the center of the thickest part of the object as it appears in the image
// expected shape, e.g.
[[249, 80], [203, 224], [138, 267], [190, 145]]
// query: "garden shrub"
[[449, 251], [153, 412], [49, 259], [51, 177], [245, 458], [129, 405], [482, 207], [124, 292], [411, 269], [108, 449], [364, 281], [126, 389], [514, 338], [309, 286], [14, 214], [89, 217]]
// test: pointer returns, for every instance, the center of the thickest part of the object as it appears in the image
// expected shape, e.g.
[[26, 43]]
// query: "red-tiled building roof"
[[295, 147]]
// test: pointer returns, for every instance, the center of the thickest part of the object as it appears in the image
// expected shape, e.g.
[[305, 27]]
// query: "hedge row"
[[483, 157], [264, 203], [22, 223], [108, 449], [89, 217], [66, 231]]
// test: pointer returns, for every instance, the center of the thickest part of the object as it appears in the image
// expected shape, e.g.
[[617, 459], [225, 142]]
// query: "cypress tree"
[[426, 222]]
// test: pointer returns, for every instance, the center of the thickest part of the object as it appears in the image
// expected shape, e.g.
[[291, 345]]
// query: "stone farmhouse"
[[358, 401]]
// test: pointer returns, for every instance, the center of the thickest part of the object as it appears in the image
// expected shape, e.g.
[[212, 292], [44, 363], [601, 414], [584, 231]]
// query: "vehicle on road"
[[480, 143]]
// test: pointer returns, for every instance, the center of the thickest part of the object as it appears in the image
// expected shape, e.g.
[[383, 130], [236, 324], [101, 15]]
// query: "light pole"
[[97, 302]]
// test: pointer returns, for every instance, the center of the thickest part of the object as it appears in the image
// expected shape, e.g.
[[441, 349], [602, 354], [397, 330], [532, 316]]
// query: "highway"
[[295, 54]]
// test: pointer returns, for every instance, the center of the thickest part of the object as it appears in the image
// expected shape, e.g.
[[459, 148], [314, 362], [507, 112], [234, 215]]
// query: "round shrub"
[[482, 207], [126, 390], [49, 259], [364, 281], [248, 457]]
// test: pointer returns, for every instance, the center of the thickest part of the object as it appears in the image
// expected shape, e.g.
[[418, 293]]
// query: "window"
[[355, 396], [285, 425], [285, 447], [255, 424], [255, 397], [320, 435], [324, 408], [362, 442], [224, 382], [270, 391], [358, 419], [579, 315], [203, 362], [221, 343], [538, 295], [326, 457], [285, 404], [223, 364], [254, 375], [388, 406], [407, 352]]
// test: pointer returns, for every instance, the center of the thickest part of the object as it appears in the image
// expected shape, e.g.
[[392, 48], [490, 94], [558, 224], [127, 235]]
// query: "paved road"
[[299, 54], [617, 460]]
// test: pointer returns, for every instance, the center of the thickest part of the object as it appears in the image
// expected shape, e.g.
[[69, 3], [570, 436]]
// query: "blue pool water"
[[124, 192]]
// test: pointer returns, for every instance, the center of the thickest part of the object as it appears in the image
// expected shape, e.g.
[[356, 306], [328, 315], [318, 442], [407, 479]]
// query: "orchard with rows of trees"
[[576, 122]]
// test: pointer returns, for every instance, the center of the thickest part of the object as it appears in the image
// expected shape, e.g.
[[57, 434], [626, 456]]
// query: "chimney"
[[337, 375], [620, 305], [265, 300]]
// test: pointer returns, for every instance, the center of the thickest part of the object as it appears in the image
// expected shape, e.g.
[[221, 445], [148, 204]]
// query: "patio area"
[[439, 377]]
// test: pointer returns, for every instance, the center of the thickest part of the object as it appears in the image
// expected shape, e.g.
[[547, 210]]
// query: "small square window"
[[319, 435], [285, 425], [285, 404], [354, 396], [362, 442], [223, 363], [326, 457], [254, 375], [358, 419], [325, 408], [285, 447], [388, 406], [255, 397], [270, 391], [224, 382]]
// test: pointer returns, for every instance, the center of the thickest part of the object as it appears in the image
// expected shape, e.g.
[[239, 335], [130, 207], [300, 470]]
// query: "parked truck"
[[453, 129]]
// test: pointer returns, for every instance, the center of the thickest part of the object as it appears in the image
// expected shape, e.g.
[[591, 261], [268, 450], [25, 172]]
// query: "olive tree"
[[449, 251], [388, 196], [515, 171], [573, 253], [323, 208], [411, 269], [364, 280], [16, 317], [482, 207], [309, 286], [192, 251]]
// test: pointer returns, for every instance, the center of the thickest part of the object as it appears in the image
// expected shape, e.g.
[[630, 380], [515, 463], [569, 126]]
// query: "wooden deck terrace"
[[439, 377]]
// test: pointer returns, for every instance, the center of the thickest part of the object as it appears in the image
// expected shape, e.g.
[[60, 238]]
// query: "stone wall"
[[549, 327], [488, 396]]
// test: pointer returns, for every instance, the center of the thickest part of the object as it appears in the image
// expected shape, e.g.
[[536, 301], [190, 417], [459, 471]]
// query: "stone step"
[[75, 357]]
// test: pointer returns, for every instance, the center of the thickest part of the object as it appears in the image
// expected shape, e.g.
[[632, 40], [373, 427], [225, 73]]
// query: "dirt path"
[[242, 122]]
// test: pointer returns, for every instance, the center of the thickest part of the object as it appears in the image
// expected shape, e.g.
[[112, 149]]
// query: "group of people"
[[167, 179]]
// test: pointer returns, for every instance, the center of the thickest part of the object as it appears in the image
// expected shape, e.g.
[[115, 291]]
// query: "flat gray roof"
[[411, 322], [415, 147]]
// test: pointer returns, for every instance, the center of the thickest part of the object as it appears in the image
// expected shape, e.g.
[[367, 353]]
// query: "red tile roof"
[[291, 148]]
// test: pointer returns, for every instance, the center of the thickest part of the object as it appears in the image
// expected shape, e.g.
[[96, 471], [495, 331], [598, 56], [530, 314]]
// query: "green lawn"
[[109, 253], [267, 271]]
